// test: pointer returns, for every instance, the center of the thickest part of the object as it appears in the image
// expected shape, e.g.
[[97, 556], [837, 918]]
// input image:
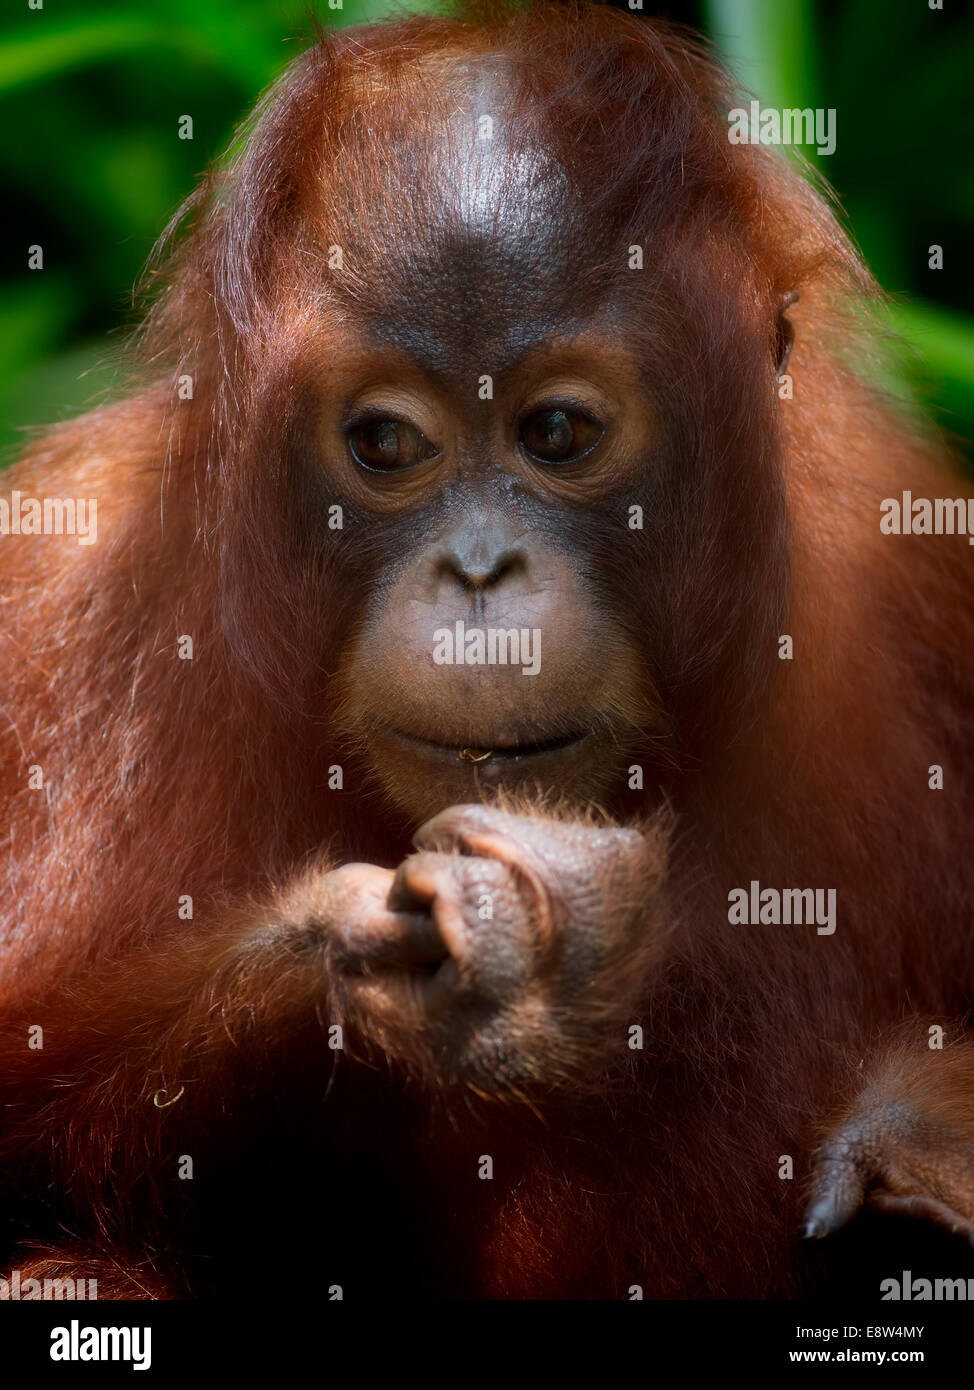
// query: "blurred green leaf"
[[770, 47], [53, 390], [36, 54], [33, 316], [943, 342]]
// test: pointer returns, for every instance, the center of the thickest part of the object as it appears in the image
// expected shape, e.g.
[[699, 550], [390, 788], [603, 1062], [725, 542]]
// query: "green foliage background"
[[91, 93]]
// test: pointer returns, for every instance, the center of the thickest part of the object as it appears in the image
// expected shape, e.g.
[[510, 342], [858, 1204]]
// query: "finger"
[[439, 882], [398, 940], [838, 1195], [372, 936], [417, 881], [462, 828]]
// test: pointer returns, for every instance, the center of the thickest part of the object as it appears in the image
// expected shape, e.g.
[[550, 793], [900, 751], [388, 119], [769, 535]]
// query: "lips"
[[492, 753]]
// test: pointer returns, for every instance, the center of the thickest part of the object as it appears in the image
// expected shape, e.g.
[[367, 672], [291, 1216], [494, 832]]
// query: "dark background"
[[91, 94]]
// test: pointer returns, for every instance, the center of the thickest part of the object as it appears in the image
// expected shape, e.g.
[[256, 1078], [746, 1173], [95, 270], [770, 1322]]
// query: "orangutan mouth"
[[512, 751]]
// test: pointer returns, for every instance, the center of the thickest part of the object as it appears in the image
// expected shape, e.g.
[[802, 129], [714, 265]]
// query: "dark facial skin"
[[499, 501]]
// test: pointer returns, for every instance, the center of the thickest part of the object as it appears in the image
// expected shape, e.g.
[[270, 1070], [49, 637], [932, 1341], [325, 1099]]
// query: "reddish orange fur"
[[206, 777]]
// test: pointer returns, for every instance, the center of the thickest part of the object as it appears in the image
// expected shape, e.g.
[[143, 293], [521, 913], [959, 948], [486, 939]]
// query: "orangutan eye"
[[555, 436], [384, 444]]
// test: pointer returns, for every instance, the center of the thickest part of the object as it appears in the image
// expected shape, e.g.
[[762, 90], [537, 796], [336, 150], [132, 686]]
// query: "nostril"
[[474, 573]]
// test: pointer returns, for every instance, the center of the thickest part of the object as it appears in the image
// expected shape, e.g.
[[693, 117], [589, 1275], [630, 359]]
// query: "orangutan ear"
[[784, 334]]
